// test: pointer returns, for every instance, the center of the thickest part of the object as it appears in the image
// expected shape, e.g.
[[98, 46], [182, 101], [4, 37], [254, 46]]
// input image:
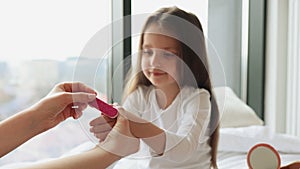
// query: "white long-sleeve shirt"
[[185, 123]]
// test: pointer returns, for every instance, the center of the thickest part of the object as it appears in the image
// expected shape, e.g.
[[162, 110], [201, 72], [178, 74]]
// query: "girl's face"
[[160, 61]]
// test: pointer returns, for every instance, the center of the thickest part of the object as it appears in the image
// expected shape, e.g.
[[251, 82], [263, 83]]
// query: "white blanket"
[[235, 143], [243, 138], [233, 147]]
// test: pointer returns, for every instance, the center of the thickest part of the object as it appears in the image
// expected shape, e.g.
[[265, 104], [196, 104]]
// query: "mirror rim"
[[265, 145]]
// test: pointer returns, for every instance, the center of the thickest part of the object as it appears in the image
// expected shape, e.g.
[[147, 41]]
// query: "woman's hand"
[[59, 104], [47, 113]]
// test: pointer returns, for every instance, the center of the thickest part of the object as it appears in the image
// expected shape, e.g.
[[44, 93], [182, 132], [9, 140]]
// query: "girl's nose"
[[155, 59]]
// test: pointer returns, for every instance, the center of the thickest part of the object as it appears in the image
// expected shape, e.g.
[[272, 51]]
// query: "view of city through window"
[[40, 45]]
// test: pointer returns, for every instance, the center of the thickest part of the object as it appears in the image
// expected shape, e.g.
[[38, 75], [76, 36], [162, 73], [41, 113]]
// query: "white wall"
[[224, 31], [293, 70], [276, 65]]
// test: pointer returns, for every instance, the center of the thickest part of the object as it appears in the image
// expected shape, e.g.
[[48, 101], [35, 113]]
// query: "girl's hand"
[[101, 126], [57, 106], [120, 140]]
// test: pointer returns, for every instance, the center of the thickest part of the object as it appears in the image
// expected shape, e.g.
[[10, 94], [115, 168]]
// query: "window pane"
[[50, 29], [41, 42]]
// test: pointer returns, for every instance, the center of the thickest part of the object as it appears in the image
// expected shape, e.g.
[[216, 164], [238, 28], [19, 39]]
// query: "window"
[[43, 43], [199, 8]]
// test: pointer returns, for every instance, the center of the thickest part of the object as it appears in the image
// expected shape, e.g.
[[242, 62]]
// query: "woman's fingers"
[[75, 87], [76, 109], [80, 97]]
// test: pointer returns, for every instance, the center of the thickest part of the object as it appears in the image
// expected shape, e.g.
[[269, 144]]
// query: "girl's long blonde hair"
[[189, 33]]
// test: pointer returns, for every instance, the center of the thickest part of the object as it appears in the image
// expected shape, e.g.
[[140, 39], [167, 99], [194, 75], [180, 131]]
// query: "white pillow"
[[233, 111]]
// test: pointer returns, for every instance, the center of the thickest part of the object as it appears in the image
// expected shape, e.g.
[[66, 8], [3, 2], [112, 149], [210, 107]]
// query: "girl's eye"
[[169, 54], [147, 52]]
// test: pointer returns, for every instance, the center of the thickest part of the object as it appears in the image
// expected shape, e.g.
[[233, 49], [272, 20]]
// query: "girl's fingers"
[[109, 120], [101, 136], [101, 120], [115, 104], [100, 128]]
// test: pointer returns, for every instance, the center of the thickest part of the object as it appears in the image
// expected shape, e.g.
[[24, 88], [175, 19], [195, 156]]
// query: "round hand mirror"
[[263, 156]]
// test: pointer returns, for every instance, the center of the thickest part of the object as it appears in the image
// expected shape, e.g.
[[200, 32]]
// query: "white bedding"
[[233, 146], [235, 143], [241, 139], [233, 160]]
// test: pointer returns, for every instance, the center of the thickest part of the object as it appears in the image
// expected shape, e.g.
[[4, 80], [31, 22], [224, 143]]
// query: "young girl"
[[168, 98]]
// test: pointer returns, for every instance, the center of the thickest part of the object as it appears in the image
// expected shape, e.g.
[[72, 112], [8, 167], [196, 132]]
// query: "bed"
[[241, 129], [237, 136], [236, 142]]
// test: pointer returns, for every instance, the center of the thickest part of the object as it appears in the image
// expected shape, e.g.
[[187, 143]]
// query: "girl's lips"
[[157, 73]]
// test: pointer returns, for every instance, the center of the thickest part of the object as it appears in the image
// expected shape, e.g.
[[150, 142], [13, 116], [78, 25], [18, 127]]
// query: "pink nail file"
[[105, 108]]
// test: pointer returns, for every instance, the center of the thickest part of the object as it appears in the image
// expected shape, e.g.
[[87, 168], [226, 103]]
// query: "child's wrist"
[[120, 144]]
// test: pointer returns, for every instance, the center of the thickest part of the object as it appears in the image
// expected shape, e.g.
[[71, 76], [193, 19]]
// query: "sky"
[[55, 29], [49, 29]]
